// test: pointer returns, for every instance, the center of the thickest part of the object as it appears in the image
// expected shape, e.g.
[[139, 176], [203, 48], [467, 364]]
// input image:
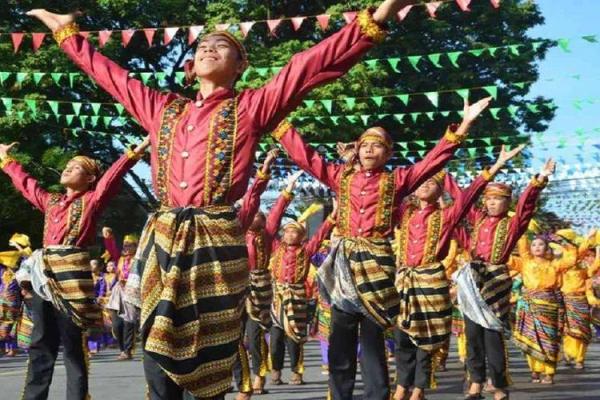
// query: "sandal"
[[296, 379], [548, 380], [535, 377]]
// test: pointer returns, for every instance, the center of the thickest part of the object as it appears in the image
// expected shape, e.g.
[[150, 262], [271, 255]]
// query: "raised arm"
[[314, 243], [22, 181], [408, 179], [110, 244], [108, 185], [283, 201], [306, 157], [322, 63], [143, 103], [251, 200]]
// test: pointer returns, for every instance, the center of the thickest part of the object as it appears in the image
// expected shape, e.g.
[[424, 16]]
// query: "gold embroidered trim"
[[535, 181], [5, 161], [65, 32], [453, 137], [281, 130], [369, 27]]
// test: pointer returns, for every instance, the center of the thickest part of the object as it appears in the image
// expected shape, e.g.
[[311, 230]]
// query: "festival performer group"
[[212, 291]]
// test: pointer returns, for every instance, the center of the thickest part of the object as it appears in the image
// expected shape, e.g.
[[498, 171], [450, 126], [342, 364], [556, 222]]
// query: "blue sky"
[[571, 19]]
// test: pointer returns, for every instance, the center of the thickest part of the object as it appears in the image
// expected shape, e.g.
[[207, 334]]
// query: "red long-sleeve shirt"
[[70, 220], [369, 200], [257, 110], [416, 223], [489, 244], [285, 258]]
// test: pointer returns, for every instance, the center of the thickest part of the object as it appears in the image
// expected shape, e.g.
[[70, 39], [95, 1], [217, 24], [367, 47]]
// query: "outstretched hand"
[[6, 148], [51, 20], [548, 168], [505, 155], [472, 111]]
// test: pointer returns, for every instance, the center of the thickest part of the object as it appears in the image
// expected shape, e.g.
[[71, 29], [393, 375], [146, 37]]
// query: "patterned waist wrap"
[[290, 310], [358, 276], [258, 304], [425, 305], [577, 317], [191, 277], [483, 293], [70, 284], [538, 324]]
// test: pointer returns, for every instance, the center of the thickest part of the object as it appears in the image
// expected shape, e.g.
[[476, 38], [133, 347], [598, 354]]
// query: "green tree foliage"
[[46, 144]]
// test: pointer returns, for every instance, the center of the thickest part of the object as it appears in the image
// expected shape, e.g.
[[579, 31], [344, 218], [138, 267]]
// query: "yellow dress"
[[544, 276]]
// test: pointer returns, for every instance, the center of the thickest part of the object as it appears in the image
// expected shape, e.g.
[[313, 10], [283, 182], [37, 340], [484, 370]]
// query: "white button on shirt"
[[185, 154], [183, 185], [190, 128], [199, 103]]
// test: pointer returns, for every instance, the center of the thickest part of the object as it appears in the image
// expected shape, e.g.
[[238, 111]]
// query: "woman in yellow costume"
[[577, 330], [537, 328]]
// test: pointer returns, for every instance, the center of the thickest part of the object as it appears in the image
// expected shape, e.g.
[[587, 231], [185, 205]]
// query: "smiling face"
[[218, 59], [429, 191], [538, 247], [496, 205], [75, 176], [373, 154], [292, 236]]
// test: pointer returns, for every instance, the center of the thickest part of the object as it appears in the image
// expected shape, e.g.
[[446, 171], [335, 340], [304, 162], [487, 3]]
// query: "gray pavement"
[[113, 380]]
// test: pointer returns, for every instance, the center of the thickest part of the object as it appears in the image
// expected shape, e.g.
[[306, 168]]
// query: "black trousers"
[[50, 328], [161, 387], [123, 331], [256, 341], [413, 365], [343, 342], [241, 370], [485, 343], [278, 343]]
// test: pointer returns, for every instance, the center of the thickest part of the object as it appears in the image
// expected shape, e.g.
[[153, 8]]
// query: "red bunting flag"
[[273, 24], [323, 20], [432, 7], [463, 4], [85, 34], [245, 27], [17, 39], [193, 33], [103, 37], [126, 36], [495, 3], [297, 22], [38, 38], [349, 16], [222, 27], [149, 33], [404, 12], [169, 35]]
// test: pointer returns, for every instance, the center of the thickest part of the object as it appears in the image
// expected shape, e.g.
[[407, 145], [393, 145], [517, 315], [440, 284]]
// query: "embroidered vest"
[[73, 220], [302, 264], [385, 203], [499, 238], [434, 232]]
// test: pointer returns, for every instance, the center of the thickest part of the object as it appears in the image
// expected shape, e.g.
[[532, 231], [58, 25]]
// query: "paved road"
[[113, 380]]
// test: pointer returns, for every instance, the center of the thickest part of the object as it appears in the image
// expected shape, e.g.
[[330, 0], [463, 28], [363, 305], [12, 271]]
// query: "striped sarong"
[[193, 274], [536, 330], [359, 272], [24, 327], [71, 285], [425, 305], [290, 310], [484, 294], [10, 306], [324, 319], [577, 317], [258, 303]]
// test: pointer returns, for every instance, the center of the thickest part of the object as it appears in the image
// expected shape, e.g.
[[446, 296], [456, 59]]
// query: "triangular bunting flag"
[[170, 34], [37, 39], [273, 24], [103, 37], [149, 33], [463, 4], [32, 105], [365, 119], [350, 102], [222, 27], [563, 43], [433, 98], [17, 39], [378, 100], [56, 77], [590, 38], [20, 77], [144, 76], [494, 111], [492, 90], [435, 59], [453, 57], [476, 52], [297, 22], [72, 77], [349, 16], [432, 7], [96, 108], [53, 106], [4, 76], [85, 34], [403, 98], [193, 33], [7, 102], [323, 21], [69, 118], [414, 60], [245, 27], [76, 107], [327, 104], [394, 63], [495, 3], [400, 117], [126, 36], [37, 77], [119, 108], [404, 12]]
